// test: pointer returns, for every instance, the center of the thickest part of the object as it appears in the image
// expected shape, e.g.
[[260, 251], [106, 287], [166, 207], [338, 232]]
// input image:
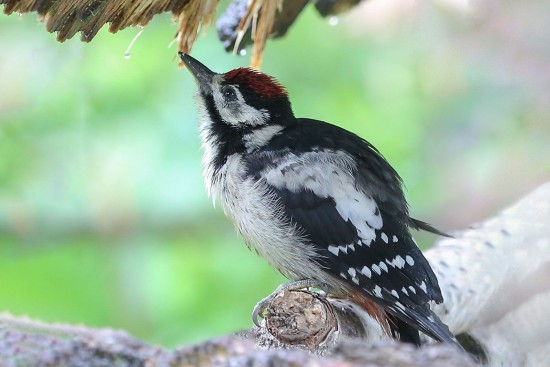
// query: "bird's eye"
[[229, 93]]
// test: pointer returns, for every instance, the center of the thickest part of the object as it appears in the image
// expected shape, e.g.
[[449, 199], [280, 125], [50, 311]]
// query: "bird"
[[318, 202]]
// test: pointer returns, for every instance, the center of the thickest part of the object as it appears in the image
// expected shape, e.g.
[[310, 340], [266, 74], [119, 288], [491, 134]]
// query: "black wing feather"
[[318, 218]]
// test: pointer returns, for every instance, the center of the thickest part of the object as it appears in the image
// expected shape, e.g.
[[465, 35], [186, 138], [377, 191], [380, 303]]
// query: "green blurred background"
[[103, 216]]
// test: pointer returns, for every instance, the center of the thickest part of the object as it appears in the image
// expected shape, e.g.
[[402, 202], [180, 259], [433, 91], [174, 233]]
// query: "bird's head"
[[243, 98]]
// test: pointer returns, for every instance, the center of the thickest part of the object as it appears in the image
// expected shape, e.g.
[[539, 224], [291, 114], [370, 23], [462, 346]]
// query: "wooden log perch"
[[495, 277]]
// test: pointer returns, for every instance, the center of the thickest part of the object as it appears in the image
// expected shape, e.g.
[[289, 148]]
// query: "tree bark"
[[495, 277]]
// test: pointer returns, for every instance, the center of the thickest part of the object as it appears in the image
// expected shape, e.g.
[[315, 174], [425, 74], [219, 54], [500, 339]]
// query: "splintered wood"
[[261, 13], [195, 13], [68, 17]]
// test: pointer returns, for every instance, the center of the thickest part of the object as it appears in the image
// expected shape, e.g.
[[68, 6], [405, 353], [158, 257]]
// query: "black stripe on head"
[[229, 138], [278, 107]]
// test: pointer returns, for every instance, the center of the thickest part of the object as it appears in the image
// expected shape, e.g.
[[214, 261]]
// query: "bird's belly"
[[258, 218]]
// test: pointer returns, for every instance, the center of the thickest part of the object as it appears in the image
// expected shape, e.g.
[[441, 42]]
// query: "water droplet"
[[333, 21], [127, 55], [242, 52]]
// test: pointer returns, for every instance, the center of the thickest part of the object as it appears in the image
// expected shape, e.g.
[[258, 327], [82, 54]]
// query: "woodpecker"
[[318, 202]]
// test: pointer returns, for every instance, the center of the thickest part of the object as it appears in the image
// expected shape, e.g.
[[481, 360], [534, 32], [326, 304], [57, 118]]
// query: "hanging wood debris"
[[244, 22]]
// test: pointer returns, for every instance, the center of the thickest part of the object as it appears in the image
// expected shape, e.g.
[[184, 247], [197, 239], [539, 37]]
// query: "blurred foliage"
[[103, 216]]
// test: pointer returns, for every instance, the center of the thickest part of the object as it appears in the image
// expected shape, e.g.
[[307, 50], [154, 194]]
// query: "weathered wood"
[[245, 22], [25, 342]]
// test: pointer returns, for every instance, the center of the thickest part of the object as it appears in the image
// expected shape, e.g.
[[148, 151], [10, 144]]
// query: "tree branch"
[[495, 278]]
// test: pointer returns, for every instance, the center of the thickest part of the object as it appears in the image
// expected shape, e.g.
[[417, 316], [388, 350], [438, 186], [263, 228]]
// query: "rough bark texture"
[[31, 343], [495, 278]]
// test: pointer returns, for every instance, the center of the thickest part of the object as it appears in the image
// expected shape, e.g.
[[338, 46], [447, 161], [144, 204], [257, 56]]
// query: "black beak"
[[202, 74]]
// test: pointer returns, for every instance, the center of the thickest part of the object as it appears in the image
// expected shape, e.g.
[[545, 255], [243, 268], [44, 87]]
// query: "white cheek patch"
[[237, 112], [261, 136]]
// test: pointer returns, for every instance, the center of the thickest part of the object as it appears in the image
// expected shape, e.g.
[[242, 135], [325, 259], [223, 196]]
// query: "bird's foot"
[[290, 286]]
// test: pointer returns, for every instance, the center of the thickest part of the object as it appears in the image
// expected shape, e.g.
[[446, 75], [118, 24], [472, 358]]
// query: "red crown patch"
[[263, 84]]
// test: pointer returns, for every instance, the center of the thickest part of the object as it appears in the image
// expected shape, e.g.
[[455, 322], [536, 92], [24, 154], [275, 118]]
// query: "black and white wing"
[[357, 226]]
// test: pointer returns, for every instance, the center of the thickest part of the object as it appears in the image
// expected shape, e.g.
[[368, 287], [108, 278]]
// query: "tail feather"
[[423, 319], [421, 225], [405, 321], [404, 332]]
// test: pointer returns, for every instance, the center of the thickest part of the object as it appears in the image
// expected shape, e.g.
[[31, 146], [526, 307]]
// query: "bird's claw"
[[260, 308]]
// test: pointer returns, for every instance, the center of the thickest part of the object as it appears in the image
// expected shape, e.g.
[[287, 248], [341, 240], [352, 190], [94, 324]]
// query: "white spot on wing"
[[353, 273], [376, 269], [383, 266], [394, 238], [412, 289], [400, 305], [409, 260], [398, 261], [384, 237], [366, 272], [378, 292], [404, 291], [394, 293], [333, 249], [423, 287]]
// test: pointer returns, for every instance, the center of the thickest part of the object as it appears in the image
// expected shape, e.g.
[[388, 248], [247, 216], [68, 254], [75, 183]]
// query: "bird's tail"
[[423, 319], [404, 332], [418, 318]]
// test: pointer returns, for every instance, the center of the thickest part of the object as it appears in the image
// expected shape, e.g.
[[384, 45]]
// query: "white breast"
[[258, 218]]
